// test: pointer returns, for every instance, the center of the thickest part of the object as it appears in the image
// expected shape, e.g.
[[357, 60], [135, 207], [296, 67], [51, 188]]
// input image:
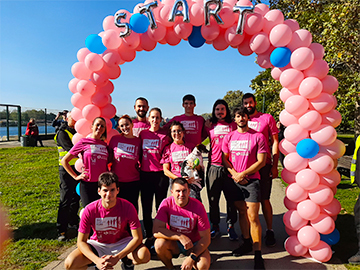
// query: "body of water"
[[14, 130]]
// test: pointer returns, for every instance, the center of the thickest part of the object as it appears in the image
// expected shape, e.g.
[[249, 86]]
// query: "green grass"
[[29, 186]]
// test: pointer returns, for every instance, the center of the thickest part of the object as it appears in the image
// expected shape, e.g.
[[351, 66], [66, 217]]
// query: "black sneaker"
[[270, 240], [244, 248], [355, 259], [127, 264], [215, 232], [259, 263], [232, 234], [150, 244]]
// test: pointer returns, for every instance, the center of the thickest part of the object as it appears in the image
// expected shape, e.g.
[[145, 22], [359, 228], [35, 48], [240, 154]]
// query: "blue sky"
[[39, 41]]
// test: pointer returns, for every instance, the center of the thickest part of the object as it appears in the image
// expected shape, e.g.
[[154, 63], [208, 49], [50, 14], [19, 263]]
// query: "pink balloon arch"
[[310, 143]]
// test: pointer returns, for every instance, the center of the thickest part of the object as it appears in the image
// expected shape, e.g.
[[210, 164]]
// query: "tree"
[[206, 116], [335, 25], [233, 99]]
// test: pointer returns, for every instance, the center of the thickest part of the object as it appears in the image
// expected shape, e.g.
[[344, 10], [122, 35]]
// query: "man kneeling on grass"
[[109, 218], [182, 226]]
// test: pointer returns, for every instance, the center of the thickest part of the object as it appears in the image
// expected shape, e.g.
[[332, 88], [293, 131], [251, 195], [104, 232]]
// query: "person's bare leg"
[[165, 249], [255, 226], [268, 213], [243, 218], [76, 260], [204, 261], [140, 255]]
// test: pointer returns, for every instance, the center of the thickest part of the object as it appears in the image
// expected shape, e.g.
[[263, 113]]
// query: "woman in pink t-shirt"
[[125, 154], [152, 178], [95, 154]]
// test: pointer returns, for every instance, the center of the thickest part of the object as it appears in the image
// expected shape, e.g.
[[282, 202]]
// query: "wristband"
[[194, 257]]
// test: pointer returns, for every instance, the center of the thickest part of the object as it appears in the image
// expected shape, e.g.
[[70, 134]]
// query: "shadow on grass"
[[44, 230]]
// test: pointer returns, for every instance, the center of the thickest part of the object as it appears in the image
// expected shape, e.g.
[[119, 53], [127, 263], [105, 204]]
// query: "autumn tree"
[[233, 99], [335, 25]]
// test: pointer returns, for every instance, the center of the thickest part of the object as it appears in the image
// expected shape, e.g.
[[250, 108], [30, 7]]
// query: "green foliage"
[[335, 25], [233, 99], [29, 186], [26, 115]]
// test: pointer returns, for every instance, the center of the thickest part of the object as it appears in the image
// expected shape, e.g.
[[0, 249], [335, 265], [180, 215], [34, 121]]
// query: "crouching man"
[[182, 226], [109, 219]]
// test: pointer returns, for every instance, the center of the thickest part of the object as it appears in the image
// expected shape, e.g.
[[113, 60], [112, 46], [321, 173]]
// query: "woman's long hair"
[[227, 119]]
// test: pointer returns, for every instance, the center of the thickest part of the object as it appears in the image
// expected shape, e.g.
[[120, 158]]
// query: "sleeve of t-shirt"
[[272, 124], [133, 218], [165, 158], [203, 220], [225, 144], [261, 143], [77, 149], [85, 221], [162, 213]]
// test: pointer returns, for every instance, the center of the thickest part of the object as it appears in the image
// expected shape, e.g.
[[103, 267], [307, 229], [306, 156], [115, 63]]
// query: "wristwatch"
[[194, 257]]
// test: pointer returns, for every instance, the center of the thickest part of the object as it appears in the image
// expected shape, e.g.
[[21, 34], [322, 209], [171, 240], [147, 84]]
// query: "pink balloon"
[[197, 14], [85, 88], [228, 16], [72, 85], [131, 41], [147, 43], [99, 78], [308, 236], [287, 176], [290, 205], [80, 71], [293, 220], [331, 179], [100, 99], [321, 252], [286, 147], [79, 101], [108, 111], [310, 120], [300, 38], [285, 94], [112, 72], [272, 18], [127, 54], [260, 43], [263, 59], [323, 103], [108, 123], [330, 84], [307, 209], [90, 112], [321, 163], [324, 135], [76, 138], [220, 43], [310, 87], [253, 23], [294, 162], [112, 58], [164, 16], [111, 39], [232, 38], [293, 24], [171, 38], [276, 73], [83, 127], [307, 179], [158, 33], [94, 62], [335, 102], [243, 3], [318, 50], [280, 35], [291, 78], [294, 247], [211, 31], [295, 133], [321, 195], [244, 48], [302, 58], [79, 165], [82, 53], [182, 29], [111, 133], [76, 114], [335, 150], [290, 232], [261, 9], [324, 224], [318, 69], [108, 23], [296, 193], [296, 105], [333, 208], [106, 89]]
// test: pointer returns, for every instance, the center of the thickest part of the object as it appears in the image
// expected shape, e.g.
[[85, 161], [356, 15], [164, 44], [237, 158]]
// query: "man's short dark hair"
[[248, 95], [189, 97], [241, 111], [107, 178], [180, 181], [142, 99]]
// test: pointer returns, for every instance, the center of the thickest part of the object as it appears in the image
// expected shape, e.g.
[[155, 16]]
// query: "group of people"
[[146, 158]]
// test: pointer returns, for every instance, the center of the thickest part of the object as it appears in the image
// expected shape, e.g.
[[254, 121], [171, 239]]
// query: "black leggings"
[[130, 191], [88, 192], [152, 183]]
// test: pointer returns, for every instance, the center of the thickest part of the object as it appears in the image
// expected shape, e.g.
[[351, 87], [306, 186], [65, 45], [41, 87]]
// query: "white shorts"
[[109, 249]]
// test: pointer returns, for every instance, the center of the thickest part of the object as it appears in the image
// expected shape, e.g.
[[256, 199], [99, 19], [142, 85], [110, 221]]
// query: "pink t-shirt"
[[216, 134], [139, 126], [175, 154], [95, 156], [243, 149], [264, 123], [153, 144], [188, 220], [194, 126], [125, 157], [109, 225]]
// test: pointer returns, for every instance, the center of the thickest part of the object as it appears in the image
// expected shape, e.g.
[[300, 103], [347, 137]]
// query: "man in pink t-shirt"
[[140, 123], [244, 153], [265, 123], [182, 226], [109, 218]]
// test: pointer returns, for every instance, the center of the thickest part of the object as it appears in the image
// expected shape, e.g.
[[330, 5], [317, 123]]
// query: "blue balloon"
[[139, 23], [307, 148], [195, 39], [78, 189], [94, 44], [280, 57], [114, 124], [331, 238]]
